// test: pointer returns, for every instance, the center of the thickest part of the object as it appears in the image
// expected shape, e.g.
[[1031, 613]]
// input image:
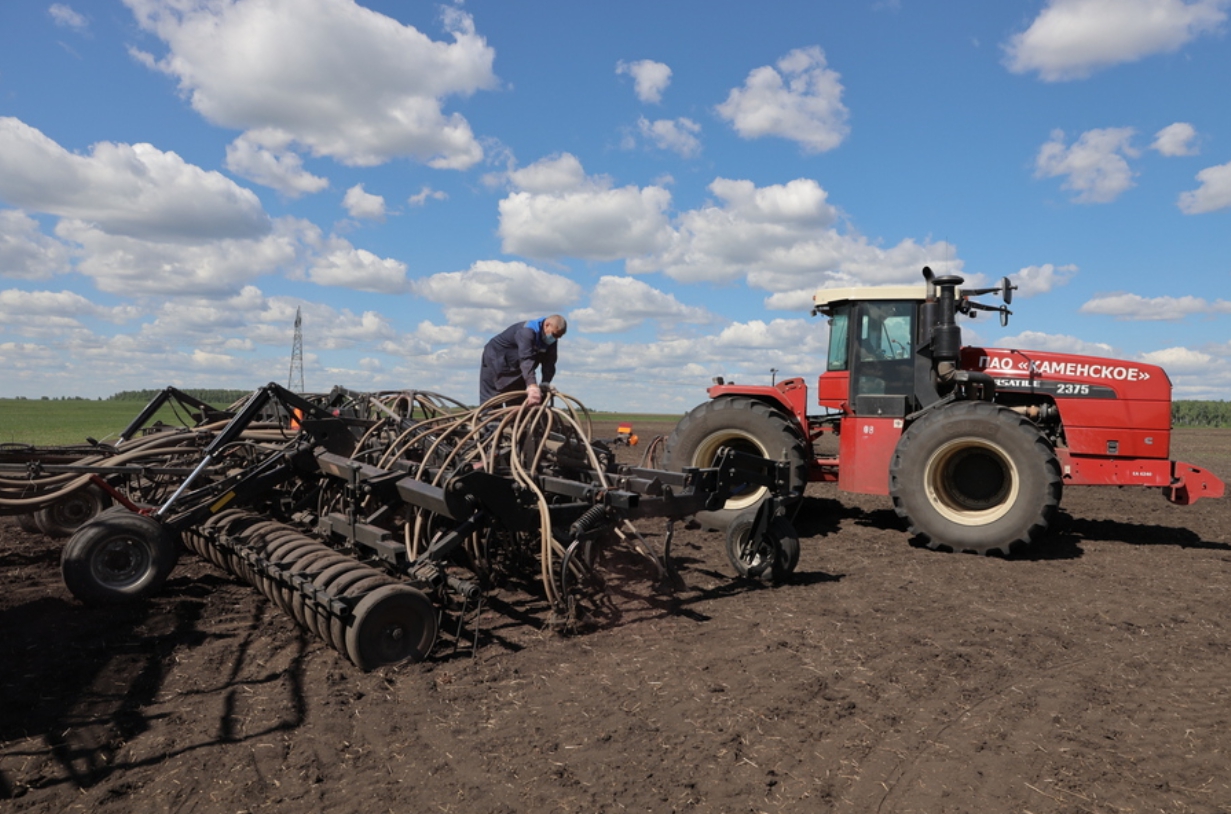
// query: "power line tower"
[[295, 380]]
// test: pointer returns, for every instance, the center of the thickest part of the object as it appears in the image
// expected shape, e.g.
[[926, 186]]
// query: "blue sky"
[[177, 177]]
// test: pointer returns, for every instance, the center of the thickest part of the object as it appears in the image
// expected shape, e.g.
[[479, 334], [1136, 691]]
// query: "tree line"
[[1201, 413], [208, 395]]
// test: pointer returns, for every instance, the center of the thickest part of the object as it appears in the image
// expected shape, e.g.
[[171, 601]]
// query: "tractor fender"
[[788, 395]]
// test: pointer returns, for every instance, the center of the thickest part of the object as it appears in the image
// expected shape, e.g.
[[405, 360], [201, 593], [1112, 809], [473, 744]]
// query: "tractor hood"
[[1068, 375], [1109, 407]]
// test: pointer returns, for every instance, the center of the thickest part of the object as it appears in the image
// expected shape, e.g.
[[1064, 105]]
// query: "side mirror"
[[1006, 291]]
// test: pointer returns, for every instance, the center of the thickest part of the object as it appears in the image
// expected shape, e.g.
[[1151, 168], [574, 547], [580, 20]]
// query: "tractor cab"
[[895, 349], [872, 340]]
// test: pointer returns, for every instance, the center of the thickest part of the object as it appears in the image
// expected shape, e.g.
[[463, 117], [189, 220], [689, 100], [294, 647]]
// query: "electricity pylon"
[[295, 380]]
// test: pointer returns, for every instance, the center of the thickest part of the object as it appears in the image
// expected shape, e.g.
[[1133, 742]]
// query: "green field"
[[56, 423]]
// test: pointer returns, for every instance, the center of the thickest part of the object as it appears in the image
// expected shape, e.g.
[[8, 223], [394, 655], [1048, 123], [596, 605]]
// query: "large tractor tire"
[[746, 425], [974, 476], [118, 557]]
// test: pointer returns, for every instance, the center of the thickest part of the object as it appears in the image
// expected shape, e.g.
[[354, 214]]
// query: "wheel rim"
[[75, 510], [972, 481], [755, 559], [742, 495], [120, 563]]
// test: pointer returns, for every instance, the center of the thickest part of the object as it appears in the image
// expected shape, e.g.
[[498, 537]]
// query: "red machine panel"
[[871, 442], [1098, 398]]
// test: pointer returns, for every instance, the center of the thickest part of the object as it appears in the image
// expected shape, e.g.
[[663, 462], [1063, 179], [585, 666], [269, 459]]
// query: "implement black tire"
[[118, 557], [69, 513], [976, 477], [746, 425], [773, 560]]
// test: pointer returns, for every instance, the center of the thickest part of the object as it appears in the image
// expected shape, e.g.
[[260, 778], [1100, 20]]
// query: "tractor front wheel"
[[745, 425], [976, 477]]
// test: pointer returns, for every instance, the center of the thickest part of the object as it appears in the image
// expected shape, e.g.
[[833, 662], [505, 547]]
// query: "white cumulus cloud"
[[1034, 280], [48, 303], [492, 294], [1071, 39], [426, 193], [1095, 166], [783, 238], [131, 266], [650, 78], [343, 265], [362, 204], [134, 190], [677, 135], [1213, 194], [1136, 307], [621, 303], [265, 158], [558, 173], [560, 212], [1179, 360], [1056, 343], [800, 100], [64, 15], [27, 253], [337, 78], [1176, 140]]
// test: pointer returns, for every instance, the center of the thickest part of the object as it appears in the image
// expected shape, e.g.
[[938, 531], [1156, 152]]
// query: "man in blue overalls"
[[511, 356]]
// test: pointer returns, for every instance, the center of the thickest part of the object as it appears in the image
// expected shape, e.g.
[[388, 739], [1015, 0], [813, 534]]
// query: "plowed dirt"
[[1089, 675]]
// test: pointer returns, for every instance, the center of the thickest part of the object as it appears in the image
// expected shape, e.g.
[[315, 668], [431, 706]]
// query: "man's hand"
[[534, 395]]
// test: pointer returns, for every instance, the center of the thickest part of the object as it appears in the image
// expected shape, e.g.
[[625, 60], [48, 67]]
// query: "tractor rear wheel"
[[743, 424], [118, 557], [977, 477]]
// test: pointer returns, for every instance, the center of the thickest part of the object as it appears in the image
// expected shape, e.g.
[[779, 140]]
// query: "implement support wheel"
[[772, 558], [118, 557], [71, 512]]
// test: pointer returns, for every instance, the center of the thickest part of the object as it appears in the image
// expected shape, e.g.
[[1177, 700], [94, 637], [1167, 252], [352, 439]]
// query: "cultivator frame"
[[376, 519], [55, 489]]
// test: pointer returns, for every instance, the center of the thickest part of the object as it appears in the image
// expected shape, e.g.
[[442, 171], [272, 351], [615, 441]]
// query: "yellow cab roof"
[[827, 297]]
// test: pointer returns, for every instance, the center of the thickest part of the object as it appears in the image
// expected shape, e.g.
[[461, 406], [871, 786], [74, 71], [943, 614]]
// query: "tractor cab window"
[[838, 325], [883, 352]]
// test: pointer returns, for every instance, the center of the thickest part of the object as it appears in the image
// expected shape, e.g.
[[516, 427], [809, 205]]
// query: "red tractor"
[[975, 445]]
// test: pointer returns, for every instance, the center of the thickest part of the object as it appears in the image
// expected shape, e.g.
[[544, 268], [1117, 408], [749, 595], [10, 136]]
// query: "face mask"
[[548, 339]]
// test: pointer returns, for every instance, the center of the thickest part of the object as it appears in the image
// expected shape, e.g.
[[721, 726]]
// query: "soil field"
[[1092, 674]]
